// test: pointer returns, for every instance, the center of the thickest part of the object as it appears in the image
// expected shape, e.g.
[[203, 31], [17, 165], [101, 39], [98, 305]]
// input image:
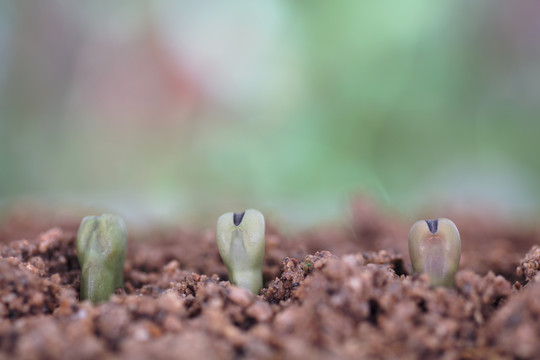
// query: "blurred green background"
[[175, 110]]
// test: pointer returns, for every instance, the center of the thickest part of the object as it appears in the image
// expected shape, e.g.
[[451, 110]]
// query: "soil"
[[329, 293]]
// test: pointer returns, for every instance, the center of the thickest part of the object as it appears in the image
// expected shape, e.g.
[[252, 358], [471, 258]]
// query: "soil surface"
[[329, 293]]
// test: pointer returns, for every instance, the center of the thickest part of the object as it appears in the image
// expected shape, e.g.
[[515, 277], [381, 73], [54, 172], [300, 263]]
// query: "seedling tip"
[[435, 249], [240, 240], [101, 251]]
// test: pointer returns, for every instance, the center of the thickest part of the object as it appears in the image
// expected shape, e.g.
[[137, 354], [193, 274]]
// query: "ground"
[[334, 292]]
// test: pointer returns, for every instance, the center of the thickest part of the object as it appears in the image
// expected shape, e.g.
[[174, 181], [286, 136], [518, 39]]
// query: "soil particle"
[[22, 292], [530, 265], [513, 332], [240, 296]]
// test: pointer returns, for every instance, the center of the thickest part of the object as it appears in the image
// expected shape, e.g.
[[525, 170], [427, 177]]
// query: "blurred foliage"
[[183, 109]]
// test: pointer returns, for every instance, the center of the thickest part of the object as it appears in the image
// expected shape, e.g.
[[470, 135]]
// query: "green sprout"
[[240, 240], [435, 249], [101, 250]]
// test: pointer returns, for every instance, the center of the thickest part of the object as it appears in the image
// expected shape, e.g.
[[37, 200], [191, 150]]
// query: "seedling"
[[101, 250], [240, 240], [435, 249]]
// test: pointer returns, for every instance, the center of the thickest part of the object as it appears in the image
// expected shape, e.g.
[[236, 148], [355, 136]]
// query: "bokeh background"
[[180, 110]]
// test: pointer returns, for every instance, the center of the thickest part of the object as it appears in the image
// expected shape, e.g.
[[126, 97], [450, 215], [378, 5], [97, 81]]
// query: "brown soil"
[[330, 293]]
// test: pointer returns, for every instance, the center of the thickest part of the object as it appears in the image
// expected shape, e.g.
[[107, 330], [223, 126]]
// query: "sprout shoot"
[[101, 250], [435, 249], [240, 240]]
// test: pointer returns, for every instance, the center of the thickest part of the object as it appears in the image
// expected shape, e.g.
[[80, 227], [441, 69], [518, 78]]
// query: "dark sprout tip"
[[237, 218], [433, 225]]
